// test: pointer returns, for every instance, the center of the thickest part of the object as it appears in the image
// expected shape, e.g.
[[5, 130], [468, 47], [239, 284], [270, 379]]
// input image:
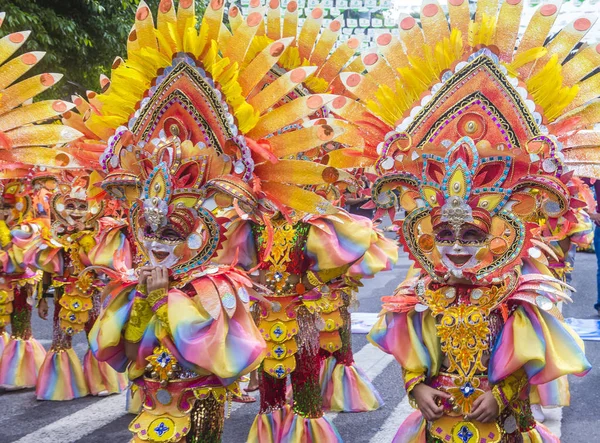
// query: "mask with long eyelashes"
[[76, 209], [460, 248], [467, 235]]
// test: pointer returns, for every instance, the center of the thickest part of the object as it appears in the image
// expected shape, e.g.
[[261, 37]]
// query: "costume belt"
[[453, 427], [168, 400]]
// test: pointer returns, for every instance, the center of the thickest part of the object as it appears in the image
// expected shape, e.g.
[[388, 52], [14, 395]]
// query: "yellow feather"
[[523, 58], [258, 44], [546, 88], [482, 33]]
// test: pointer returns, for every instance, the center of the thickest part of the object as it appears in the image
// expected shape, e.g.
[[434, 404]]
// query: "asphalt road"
[[103, 420]]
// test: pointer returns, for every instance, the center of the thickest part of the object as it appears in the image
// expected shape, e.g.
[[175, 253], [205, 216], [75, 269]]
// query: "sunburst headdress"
[[185, 124], [469, 129], [25, 131]]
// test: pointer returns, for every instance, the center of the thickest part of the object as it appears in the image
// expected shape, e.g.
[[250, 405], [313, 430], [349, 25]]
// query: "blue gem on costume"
[[278, 276], [163, 359], [465, 434], [279, 371], [467, 389], [279, 351], [277, 331], [161, 429], [72, 317]]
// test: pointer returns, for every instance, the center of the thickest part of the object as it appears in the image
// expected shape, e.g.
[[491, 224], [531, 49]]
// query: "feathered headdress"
[[193, 128], [468, 129]]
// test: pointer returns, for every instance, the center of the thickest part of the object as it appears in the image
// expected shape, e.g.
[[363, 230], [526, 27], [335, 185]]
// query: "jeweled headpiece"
[[471, 132], [191, 133]]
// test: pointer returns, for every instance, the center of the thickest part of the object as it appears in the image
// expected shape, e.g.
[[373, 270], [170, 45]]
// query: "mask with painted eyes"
[[71, 208], [76, 210], [460, 250], [170, 245], [171, 226]]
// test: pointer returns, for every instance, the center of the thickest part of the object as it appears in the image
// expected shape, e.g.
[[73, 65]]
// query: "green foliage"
[[81, 38]]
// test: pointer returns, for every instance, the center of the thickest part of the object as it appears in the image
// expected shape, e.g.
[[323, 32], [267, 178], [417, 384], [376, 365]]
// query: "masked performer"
[[23, 355], [80, 236], [190, 130], [307, 262], [25, 136], [471, 132]]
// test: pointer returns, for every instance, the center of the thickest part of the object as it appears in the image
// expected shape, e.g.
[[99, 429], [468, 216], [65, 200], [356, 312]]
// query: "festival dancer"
[[310, 54], [560, 241], [308, 263], [81, 236], [23, 354], [27, 131], [184, 128], [471, 132]]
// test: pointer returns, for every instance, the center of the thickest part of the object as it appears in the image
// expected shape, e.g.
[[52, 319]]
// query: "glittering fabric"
[[288, 248], [21, 315], [207, 420], [272, 392], [305, 379]]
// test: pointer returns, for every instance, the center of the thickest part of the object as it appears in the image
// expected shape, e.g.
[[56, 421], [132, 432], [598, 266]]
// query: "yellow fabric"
[[4, 234], [141, 313]]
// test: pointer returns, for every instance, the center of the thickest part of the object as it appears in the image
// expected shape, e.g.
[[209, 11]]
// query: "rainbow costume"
[[182, 118], [474, 139], [284, 238], [25, 138], [309, 266], [23, 354]]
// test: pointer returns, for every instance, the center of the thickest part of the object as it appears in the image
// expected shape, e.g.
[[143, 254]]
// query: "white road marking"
[[390, 426], [81, 423]]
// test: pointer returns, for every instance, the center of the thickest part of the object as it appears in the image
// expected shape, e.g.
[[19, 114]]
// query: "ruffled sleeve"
[[213, 331], [106, 336], [112, 249], [33, 248], [582, 232], [411, 338], [351, 242], [542, 345], [239, 246]]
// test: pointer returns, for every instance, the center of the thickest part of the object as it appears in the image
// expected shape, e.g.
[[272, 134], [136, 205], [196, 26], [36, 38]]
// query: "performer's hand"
[[485, 409], [143, 273], [426, 397], [159, 279], [43, 309]]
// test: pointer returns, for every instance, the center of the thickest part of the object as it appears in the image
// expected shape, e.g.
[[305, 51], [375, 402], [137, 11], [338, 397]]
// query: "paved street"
[[103, 420]]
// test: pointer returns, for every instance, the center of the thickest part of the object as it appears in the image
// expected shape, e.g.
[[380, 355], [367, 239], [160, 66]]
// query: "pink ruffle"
[[20, 364], [101, 379], [347, 389]]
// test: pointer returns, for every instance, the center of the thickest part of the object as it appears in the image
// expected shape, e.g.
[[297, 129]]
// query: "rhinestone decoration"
[[163, 359], [161, 429]]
